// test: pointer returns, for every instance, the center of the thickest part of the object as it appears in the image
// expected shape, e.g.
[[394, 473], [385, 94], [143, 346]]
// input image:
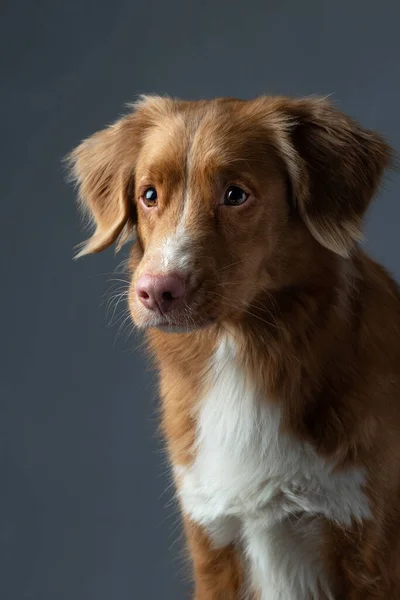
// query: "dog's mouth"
[[171, 328], [177, 325], [199, 310]]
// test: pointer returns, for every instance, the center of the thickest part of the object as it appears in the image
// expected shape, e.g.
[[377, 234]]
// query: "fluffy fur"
[[250, 482], [280, 370]]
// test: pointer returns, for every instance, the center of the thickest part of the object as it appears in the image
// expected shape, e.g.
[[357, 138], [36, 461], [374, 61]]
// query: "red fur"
[[317, 321]]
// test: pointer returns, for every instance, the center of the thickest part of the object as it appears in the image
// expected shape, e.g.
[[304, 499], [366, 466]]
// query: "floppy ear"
[[336, 168], [103, 168]]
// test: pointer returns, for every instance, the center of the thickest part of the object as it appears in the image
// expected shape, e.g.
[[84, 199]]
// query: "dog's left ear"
[[335, 167]]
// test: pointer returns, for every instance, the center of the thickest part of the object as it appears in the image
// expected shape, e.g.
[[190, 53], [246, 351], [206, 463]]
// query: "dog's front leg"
[[218, 573]]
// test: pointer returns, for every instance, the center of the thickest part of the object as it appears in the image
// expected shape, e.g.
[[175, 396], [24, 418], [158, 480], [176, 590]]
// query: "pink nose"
[[160, 293]]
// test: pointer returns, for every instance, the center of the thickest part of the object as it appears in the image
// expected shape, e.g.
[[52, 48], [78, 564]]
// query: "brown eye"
[[235, 196], [150, 197]]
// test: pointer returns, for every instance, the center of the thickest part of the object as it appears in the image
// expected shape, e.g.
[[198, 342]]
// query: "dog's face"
[[211, 203], [226, 197]]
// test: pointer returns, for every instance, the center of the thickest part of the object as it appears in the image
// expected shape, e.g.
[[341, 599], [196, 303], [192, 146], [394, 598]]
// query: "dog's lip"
[[180, 326]]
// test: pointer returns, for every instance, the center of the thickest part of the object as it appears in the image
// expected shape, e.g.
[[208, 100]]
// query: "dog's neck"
[[278, 322], [293, 342]]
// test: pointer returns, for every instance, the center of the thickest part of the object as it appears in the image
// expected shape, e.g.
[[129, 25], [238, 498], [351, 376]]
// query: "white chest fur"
[[253, 484]]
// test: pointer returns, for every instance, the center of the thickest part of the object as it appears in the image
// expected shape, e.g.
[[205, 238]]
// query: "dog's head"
[[228, 199]]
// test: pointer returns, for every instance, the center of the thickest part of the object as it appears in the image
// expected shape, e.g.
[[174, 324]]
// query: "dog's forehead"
[[165, 145], [206, 138]]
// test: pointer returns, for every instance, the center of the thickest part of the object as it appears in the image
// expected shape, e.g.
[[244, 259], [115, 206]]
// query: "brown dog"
[[276, 338]]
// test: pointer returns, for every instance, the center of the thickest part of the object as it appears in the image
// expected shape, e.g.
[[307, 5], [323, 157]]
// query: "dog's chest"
[[252, 483]]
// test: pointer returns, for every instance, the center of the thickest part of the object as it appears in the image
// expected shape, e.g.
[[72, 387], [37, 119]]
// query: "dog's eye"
[[150, 197], [234, 196]]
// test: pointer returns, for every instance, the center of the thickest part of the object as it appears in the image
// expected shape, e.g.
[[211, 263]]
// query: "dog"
[[275, 337]]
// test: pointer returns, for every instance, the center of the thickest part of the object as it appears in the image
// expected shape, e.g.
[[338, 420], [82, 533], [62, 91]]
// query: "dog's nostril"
[[143, 294], [167, 296]]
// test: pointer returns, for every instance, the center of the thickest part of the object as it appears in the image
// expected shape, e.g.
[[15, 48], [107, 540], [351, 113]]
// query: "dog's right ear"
[[103, 175], [103, 167]]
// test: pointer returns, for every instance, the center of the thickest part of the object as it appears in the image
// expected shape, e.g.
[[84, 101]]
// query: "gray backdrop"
[[83, 507]]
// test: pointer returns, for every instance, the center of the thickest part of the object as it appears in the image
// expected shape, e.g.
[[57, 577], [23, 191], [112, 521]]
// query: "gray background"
[[83, 507]]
